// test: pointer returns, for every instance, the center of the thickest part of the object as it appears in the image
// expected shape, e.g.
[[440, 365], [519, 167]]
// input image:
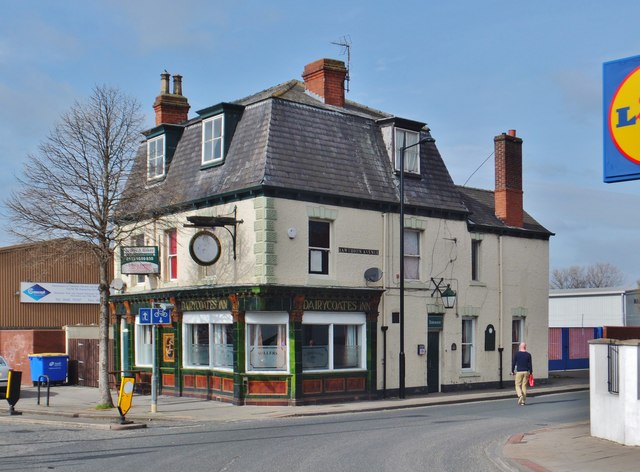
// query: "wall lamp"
[[448, 295]]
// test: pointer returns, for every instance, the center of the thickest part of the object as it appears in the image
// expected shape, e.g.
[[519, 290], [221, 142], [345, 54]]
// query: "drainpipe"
[[500, 309], [384, 360]]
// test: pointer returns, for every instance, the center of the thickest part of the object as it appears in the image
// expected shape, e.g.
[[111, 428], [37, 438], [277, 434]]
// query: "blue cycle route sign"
[[154, 316]]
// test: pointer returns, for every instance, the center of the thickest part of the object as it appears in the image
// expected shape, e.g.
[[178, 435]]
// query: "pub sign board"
[[621, 119]]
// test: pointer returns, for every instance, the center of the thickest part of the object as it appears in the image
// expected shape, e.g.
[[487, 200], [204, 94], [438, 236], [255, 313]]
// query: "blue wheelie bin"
[[54, 366]]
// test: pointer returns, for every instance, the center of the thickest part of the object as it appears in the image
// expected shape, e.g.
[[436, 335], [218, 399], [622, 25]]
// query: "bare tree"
[[597, 275], [72, 186]]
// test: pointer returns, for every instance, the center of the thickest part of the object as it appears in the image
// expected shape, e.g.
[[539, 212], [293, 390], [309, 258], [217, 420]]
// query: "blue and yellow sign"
[[621, 108]]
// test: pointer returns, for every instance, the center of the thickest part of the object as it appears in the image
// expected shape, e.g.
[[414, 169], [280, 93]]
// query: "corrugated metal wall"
[[45, 262]]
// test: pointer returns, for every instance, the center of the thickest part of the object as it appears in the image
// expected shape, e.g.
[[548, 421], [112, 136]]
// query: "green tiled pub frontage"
[[339, 366]]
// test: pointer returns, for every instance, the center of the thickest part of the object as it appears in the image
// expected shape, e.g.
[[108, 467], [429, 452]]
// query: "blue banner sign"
[[153, 316]]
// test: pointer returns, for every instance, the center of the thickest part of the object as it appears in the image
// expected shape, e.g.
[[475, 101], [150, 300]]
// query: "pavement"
[[563, 448]]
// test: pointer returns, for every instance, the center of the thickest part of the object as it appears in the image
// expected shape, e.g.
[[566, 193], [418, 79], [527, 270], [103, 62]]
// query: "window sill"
[[268, 372], [334, 371], [468, 375], [477, 283], [209, 165], [409, 175]]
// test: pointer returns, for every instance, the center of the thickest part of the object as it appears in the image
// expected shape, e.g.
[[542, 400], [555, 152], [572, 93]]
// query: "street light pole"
[[401, 357]]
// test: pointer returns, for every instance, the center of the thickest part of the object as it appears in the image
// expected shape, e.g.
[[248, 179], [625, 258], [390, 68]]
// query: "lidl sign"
[[621, 109]]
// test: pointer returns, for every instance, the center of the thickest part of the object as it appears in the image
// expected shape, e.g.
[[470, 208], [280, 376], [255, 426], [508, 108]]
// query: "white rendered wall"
[[615, 417]]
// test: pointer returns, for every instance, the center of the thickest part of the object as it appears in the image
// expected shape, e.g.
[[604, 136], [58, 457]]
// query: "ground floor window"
[[267, 342], [144, 344], [467, 346], [208, 340], [517, 335], [333, 341]]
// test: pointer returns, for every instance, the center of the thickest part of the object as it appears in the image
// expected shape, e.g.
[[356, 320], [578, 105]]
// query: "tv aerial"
[[345, 43]]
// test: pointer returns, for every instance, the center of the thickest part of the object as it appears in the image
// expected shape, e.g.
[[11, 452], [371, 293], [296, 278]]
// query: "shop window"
[[467, 346], [267, 343], [319, 246], [144, 345], [208, 340], [329, 343]]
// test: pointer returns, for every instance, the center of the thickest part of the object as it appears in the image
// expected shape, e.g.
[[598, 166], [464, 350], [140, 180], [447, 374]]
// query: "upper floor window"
[[171, 246], [475, 259], [411, 254], [319, 246], [212, 139], [404, 139], [138, 240], [155, 157]]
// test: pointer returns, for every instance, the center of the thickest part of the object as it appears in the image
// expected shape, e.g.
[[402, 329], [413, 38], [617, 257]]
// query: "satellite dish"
[[117, 284], [373, 274]]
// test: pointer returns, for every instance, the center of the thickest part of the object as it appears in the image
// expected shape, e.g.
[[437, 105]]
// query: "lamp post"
[[401, 357]]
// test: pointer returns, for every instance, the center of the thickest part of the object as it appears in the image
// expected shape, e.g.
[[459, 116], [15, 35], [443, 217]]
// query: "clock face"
[[205, 248]]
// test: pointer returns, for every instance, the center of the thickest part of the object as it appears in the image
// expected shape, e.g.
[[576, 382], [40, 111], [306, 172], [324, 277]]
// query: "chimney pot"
[[512, 132], [164, 82], [177, 84]]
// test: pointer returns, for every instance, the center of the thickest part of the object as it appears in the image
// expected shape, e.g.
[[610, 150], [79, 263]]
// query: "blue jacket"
[[522, 361]]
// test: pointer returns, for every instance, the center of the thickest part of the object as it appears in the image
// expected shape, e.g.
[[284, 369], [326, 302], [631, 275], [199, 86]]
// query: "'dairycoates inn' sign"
[[139, 260]]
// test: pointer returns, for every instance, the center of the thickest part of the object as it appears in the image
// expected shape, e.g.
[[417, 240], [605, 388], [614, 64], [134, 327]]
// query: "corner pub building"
[[275, 244]]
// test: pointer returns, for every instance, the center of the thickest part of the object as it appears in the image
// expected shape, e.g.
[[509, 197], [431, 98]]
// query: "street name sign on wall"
[[153, 316], [621, 119]]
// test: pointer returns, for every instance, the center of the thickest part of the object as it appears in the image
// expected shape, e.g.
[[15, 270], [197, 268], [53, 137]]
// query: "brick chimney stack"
[[325, 77], [508, 192], [171, 108]]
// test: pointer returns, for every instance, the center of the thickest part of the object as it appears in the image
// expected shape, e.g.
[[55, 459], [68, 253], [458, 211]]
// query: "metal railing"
[[613, 373]]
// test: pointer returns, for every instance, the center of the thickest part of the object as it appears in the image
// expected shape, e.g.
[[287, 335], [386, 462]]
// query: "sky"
[[471, 69]]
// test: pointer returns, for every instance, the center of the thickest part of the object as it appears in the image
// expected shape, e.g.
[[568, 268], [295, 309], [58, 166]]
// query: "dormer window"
[[405, 139], [213, 140], [155, 157]]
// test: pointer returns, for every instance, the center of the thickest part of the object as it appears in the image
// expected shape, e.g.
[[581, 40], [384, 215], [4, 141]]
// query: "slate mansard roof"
[[290, 144]]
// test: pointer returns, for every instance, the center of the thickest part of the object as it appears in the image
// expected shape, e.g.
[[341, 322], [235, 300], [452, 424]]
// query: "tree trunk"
[[103, 372]]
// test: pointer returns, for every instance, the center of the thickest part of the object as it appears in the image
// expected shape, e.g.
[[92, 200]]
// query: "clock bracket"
[[230, 223]]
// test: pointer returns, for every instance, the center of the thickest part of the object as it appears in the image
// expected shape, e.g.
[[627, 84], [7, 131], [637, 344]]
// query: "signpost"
[[154, 317]]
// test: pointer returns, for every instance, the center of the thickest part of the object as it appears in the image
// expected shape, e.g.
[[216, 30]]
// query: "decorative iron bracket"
[[217, 222]]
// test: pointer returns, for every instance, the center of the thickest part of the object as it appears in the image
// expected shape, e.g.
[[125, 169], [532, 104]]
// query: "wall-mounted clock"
[[205, 248]]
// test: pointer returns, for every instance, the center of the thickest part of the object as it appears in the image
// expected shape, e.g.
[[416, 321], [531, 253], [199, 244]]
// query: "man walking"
[[522, 366]]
